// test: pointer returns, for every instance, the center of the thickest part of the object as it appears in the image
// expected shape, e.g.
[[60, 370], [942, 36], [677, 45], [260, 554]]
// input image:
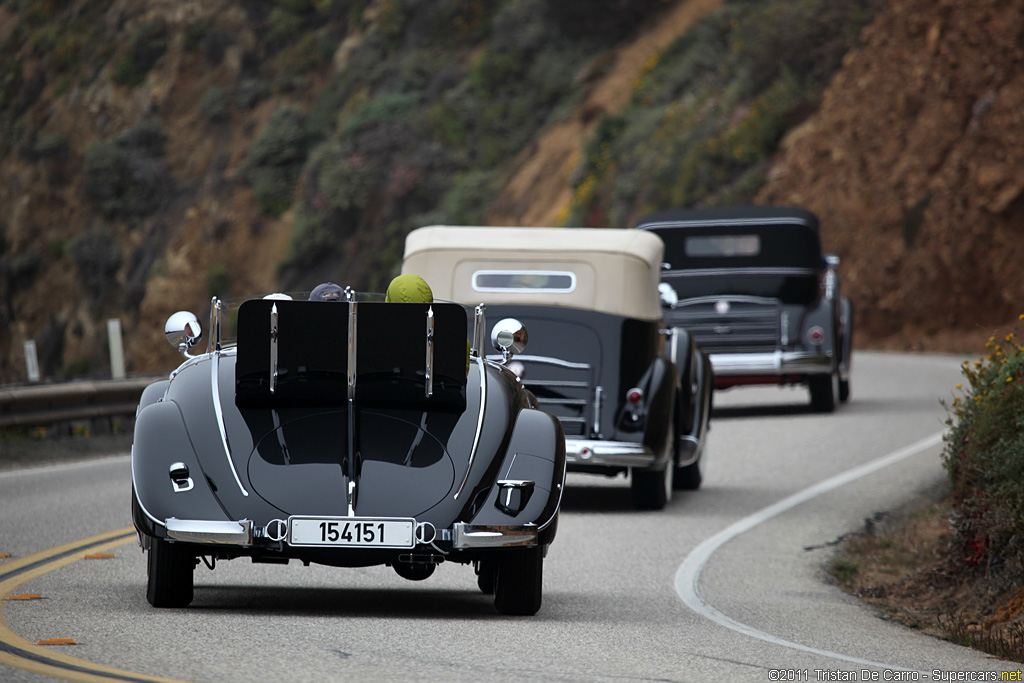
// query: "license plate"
[[351, 532]]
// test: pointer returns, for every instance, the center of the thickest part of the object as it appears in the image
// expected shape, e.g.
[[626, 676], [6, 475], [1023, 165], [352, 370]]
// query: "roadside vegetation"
[[955, 569], [708, 113]]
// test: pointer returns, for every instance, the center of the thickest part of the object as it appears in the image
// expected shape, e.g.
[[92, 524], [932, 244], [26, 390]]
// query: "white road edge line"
[[687, 577]]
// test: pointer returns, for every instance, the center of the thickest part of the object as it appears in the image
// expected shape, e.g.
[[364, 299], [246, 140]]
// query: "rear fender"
[[161, 440], [660, 392], [822, 315], [536, 453]]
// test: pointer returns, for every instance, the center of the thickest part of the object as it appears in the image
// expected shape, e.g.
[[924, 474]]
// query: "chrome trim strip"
[[429, 370], [215, 385], [598, 399], [545, 360], [753, 221], [715, 272], [488, 536], [479, 424], [350, 490], [210, 531], [770, 363], [608, 453]]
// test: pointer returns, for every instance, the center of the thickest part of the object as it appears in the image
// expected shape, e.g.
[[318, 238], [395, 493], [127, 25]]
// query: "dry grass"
[[900, 565]]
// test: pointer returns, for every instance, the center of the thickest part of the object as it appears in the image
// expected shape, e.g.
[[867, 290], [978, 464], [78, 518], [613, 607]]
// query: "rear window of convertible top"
[[524, 280]]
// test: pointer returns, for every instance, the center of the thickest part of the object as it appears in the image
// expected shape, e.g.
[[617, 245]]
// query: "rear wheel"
[[486, 576], [519, 578], [652, 490], [824, 392], [688, 478], [170, 568]]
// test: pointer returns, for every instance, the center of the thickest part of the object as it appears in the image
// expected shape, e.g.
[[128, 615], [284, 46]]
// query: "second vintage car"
[[633, 394], [762, 300], [350, 433]]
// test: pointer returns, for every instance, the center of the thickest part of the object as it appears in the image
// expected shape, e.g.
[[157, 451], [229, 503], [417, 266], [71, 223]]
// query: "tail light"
[[635, 396]]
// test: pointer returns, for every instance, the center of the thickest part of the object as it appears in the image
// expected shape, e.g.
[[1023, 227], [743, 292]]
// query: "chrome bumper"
[[607, 453], [772, 363], [481, 536], [463, 536], [210, 531]]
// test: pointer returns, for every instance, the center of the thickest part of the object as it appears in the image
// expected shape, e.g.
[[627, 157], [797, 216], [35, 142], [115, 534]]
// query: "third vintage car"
[[633, 394], [752, 285]]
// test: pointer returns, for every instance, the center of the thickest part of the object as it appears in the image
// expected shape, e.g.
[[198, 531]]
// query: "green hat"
[[409, 288]]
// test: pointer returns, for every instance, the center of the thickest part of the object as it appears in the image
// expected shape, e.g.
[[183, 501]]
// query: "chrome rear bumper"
[[210, 531], [771, 363], [607, 453], [480, 536]]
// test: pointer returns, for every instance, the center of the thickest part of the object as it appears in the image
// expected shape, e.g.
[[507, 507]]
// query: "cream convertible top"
[[603, 269]]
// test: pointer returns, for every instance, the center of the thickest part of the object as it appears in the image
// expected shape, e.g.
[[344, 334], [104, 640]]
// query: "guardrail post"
[[116, 348], [31, 361]]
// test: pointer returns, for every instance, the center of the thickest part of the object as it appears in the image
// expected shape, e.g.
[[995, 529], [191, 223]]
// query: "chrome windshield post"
[[273, 348], [429, 370], [479, 326]]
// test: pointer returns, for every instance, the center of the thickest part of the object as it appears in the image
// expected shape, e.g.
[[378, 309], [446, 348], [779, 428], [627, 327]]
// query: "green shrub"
[[275, 159], [97, 257], [214, 104], [125, 175], [984, 457], [283, 27], [386, 108], [146, 46], [218, 281]]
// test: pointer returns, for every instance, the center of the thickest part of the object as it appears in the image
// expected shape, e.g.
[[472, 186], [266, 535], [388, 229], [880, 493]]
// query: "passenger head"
[[328, 291], [409, 288]]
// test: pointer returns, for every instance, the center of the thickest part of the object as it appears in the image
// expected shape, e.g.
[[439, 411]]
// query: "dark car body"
[[349, 434], [632, 393], [753, 287]]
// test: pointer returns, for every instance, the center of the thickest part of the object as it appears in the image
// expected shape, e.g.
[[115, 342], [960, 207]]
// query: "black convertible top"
[[783, 237]]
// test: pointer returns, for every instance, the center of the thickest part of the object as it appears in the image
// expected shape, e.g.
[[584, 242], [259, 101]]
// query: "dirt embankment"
[[915, 163]]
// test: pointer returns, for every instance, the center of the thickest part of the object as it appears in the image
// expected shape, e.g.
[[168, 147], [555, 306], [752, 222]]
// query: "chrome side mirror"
[[509, 336], [183, 331]]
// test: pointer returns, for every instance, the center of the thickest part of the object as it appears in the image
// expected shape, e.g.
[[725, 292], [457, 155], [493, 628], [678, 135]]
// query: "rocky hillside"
[[154, 154], [915, 160]]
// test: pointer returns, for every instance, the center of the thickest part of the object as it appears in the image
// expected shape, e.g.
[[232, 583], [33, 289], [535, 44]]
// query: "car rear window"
[[524, 281], [723, 245]]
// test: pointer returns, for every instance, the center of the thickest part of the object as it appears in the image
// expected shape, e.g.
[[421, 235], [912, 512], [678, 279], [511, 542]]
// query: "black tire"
[[844, 390], [652, 490], [170, 568], [824, 392], [688, 478], [518, 588], [486, 576]]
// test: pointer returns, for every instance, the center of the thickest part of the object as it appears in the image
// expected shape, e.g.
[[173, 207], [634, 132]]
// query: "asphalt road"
[[726, 584]]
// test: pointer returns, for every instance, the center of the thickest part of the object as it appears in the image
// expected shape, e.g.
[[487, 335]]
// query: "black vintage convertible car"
[[762, 300], [633, 393], [349, 434]]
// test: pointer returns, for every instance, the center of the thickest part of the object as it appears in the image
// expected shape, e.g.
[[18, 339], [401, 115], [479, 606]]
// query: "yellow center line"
[[19, 653]]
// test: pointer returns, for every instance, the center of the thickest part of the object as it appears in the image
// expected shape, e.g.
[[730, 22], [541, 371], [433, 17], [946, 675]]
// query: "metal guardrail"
[[38, 405]]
